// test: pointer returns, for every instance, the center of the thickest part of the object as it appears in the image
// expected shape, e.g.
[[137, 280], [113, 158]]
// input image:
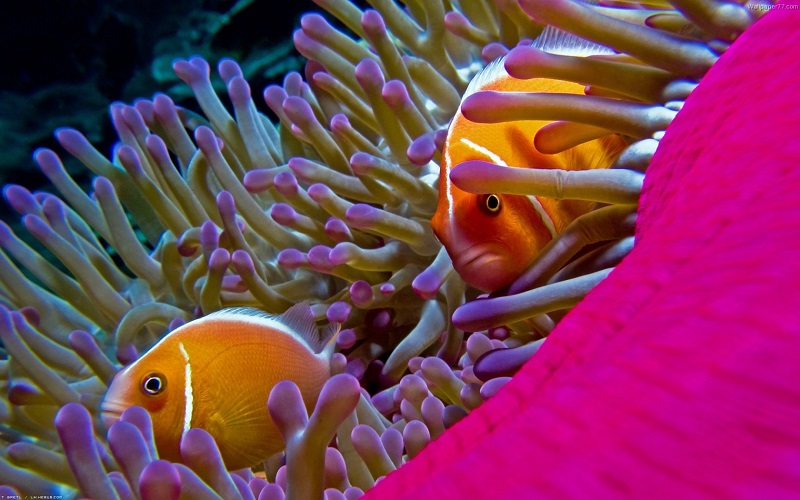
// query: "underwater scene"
[[400, 249]]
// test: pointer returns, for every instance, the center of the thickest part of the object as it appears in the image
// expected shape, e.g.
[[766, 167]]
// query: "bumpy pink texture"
[[679, 376]]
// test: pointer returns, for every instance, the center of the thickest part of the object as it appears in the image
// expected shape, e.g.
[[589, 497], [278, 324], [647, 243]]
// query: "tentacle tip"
[[239, 91], [493, 51], [286, 183], [395, 94], [299, 111], [291, 258], [426, 285], [362, 163], [229, 69], [258, 180], [369, 75], [422, 150], [283, 214], [361, 215], [373, 24]]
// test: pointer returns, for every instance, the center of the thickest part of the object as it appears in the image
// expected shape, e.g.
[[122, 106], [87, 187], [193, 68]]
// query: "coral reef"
[[193, 213]]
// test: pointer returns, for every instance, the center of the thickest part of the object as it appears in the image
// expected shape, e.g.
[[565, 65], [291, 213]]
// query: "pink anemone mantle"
[[678, 376]]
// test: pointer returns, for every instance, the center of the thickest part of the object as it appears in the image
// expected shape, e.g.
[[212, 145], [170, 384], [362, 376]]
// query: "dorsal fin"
[[551, 40], [555, 41], [298, 321], [327, 337], [493, 71]]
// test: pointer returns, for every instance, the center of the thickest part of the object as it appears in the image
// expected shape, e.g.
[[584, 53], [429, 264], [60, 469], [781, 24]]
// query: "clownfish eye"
[[154, 384], [490, 204]]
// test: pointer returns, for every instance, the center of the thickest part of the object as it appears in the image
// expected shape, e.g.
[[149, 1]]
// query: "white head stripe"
[[493, 157], [489, 154], [183, 351], [187, 391], [448, 185], [493, 72], [546, 219]]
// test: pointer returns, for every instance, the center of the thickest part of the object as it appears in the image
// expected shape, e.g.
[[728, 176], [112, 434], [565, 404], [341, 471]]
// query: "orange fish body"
[[216, 373], [492, 239]]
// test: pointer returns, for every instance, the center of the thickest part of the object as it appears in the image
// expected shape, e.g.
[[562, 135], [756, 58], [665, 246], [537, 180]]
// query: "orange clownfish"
[[493, 238], [216, 373]]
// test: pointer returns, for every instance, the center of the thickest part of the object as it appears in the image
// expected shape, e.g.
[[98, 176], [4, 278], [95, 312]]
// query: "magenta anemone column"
[[679, 375]]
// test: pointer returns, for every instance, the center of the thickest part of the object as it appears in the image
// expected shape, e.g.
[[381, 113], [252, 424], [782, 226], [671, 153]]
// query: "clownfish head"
[[155, 382], [491, 238]]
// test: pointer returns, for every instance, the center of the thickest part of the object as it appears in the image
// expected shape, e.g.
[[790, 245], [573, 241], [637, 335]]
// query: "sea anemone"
[[677, 376], [331, 206]]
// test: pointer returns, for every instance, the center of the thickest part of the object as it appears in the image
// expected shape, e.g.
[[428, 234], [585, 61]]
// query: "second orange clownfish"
[[216, 373], [493, 238]]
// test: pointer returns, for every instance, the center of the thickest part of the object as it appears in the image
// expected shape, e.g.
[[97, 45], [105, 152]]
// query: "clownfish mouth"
[[475, 256], [482, 266], [110, 412]]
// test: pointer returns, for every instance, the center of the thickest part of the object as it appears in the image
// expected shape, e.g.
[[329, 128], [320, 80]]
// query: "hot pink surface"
[[679, 376]]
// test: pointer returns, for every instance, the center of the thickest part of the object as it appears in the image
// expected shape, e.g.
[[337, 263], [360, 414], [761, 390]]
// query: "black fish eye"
[[154, 384], [491, 203]]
